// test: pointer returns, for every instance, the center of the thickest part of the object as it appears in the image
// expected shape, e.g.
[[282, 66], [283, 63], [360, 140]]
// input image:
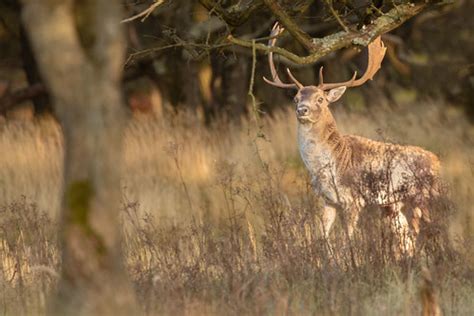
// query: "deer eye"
[[320, 99]]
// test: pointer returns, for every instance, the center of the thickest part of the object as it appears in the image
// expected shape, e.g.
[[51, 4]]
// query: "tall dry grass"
[[222, 220]]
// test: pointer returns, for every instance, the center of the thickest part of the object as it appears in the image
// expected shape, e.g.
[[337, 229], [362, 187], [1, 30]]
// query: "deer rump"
[[385, 174]]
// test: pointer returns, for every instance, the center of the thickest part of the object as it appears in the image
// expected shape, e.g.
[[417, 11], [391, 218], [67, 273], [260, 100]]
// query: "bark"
[[79, 48], [188, 89], [229, 86], [322, 47], [284, 17], [9, 100], [41, 102]]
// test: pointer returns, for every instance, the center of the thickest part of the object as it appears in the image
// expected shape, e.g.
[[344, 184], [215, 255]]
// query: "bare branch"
[[280, 51], [145, 13], [301, 36], [10, 99], [151, 52], [239, 13], [336, 15], [333, 42]]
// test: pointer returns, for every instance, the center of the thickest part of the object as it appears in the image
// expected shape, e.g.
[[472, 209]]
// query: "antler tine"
[[297, 83], [327, 86], [276, 30], [377, 51], [322, 85], [376, 54]]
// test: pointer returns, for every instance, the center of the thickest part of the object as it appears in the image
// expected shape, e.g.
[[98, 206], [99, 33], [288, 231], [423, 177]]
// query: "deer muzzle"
[[302, 111]]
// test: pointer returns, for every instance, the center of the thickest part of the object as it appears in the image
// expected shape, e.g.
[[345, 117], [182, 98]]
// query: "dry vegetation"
[[218, 220]]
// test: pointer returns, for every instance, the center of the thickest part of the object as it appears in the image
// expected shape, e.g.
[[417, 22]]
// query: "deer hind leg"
[[416, 215], [401, 228]]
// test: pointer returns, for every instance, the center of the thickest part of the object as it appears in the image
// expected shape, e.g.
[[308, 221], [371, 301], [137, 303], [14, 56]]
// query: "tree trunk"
[[184, 73], [41, 102], [229, 86], [79, 48]]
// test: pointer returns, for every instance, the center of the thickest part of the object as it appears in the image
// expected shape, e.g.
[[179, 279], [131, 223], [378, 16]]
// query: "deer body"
[[336, 160], [351, 172]]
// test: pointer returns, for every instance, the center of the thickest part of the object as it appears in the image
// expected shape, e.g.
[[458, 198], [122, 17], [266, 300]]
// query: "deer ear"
[[335, 94]]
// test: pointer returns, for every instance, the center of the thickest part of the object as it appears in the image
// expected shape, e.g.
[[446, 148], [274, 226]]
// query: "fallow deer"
[[351, 172]]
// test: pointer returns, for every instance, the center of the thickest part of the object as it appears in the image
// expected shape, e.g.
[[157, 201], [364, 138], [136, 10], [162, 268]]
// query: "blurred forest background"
[[217, 215], [179, 56]]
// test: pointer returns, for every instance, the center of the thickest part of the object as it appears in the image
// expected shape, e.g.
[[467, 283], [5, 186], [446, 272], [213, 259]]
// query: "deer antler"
[[376, 54], [277, 30]]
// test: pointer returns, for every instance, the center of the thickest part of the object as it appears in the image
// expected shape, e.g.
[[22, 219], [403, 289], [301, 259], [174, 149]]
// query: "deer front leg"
[[328, 212], [351, 219], [328, 216], [354, 219]]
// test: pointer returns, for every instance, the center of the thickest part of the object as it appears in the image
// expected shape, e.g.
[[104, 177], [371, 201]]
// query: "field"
[[222, 220]]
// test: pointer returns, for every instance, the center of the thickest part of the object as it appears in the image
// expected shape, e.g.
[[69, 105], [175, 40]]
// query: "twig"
[[251, 84], [173, 149], [141, 54], [336, 16], [145, 14]]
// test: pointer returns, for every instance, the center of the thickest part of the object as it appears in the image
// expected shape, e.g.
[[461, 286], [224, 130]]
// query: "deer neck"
[[322, 146]]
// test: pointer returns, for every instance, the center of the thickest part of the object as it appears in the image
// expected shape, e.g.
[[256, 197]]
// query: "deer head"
[[312, 101]]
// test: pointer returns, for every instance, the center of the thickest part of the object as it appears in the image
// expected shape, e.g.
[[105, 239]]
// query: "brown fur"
[[351, 172]]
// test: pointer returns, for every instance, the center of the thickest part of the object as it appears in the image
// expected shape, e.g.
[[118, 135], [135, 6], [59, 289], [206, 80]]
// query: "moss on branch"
[[324, 46]]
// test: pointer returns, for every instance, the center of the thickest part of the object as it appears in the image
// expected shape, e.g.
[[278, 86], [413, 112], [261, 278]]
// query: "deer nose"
[[302, 111]]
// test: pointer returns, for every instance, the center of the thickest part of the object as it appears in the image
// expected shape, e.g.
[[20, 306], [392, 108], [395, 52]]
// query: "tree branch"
[[9, 100], [235, 16], [333, 42], [301, 36], [145, 13], [336, 15], [109, 48]]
